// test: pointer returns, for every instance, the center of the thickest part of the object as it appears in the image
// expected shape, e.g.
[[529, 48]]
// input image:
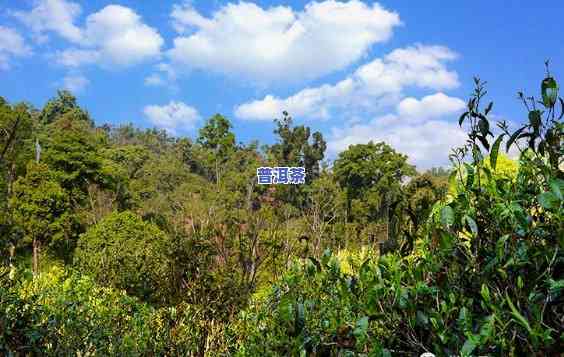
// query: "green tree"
[[71, 149], [295, 149], [326, 208], [16, 126], [41, 209], [217, 138], [421, 194], [125, 252], [63, 103], [372, 176]]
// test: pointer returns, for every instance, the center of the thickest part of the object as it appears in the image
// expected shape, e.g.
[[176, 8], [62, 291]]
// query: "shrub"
[[125, 252], [64, 313]]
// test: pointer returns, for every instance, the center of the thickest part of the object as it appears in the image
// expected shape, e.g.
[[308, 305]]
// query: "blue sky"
[[397, 71]]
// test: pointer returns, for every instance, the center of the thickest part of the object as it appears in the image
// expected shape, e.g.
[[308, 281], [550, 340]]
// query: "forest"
[[116, 240]]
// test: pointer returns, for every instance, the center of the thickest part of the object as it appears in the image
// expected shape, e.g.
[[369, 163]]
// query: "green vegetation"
[[120, 241]]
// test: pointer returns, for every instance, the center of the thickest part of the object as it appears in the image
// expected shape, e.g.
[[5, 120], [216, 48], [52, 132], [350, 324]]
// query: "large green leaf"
[[447, 216], [495, 150], [471, 223], [513, 137], [489, 108], [484, 126], [469, 345], [547, 200], [549, 90], [361, 327], [535, 119], [517, 316], [557, 187], [462, 117], [470, 173]]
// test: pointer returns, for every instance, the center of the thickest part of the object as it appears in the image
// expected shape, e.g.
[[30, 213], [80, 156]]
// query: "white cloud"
[[165, 75], [173, 117], [113, 36], [426, 142], [11, 45], [75, 82], [429, 107], [120, 37], [75, 57], [277, 43], [52, 15], [372, 86]]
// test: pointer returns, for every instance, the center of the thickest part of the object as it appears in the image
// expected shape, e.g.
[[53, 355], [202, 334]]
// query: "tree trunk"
[[36, 249]]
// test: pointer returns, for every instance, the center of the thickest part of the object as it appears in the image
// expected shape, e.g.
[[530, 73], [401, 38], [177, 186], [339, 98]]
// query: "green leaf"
[[556, 286], [361, 327], [520, 319], [535, 119], [462, 117], [447, 216], [471, 223], [316, 263], [299, 322], [557, 187], [520, 282], [484, 126], [469, 175], [495, 150], [485, 292], [489, 108], [452, 178], [484, 141], [422, 319], [469, 346], [547, 200], [513, 137], [549, 90], [487, 329]]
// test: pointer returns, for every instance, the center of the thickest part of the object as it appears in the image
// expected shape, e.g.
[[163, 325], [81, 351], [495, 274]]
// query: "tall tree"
[[41, 209], [16, 126], [372, 175], [62, 104], [71, 149], [295, 149], [216, 136]]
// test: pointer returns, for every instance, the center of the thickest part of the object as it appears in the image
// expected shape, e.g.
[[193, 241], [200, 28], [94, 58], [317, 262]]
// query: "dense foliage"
[[121, 241]]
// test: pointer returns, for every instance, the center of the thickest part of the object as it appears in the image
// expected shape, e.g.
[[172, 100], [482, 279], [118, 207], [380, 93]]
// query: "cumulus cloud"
[[113, 36], [76, 83], [11, 45], [426, 142], [430, 106], [52, 15], [120, 37], [173, 117], [372, 86], [278, 43]]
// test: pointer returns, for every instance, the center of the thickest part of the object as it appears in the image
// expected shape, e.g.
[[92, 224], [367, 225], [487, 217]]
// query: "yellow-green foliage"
[[62, 313], [506, 168], [350, 260]]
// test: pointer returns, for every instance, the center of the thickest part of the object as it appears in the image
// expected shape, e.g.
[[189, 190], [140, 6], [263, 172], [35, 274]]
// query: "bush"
[[125, 252], [64, 313]]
